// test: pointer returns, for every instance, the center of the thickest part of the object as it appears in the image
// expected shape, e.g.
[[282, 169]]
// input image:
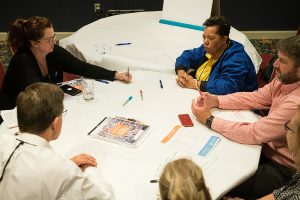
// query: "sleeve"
[[232, 74], [267, 129], [244, 100], [86, 185], [189, 59], [95, 175], [73, 65]]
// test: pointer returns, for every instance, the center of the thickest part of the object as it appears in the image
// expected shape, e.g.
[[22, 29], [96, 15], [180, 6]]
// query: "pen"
[[153, 181], [129, 98], [127, 72], [125, 43], [161, 84], [102, 81], [141, 93]]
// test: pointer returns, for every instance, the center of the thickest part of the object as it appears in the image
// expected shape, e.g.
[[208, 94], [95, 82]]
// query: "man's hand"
[[202, 113], [84, 160], [208, 100]]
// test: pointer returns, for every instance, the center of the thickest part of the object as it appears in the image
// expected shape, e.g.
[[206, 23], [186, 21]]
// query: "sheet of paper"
[[10, 118], [193, 12], [194, 141]]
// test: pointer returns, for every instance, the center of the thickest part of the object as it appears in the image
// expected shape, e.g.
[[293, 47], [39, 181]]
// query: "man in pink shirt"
[[276, 165]]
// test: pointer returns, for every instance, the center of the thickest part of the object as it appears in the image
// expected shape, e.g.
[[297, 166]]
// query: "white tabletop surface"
[[129, 170], [154, 46]]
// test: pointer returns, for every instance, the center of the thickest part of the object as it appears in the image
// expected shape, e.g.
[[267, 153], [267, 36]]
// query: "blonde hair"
[[182, 179], [297, 139]]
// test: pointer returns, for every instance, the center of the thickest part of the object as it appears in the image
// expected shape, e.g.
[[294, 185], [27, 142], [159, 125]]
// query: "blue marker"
[[125, 43], [129, 98], [102, 81]]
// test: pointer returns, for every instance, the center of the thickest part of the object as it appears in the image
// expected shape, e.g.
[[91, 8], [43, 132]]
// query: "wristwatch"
[[209, 121]]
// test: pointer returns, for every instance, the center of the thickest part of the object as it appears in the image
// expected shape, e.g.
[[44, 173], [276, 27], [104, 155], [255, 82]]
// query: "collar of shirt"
[[287, 88], [33, 139]]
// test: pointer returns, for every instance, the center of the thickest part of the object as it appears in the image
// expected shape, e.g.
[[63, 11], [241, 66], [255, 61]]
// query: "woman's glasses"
[[49, 39]]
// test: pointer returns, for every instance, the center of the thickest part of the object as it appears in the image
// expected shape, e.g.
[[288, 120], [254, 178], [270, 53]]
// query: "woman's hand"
[[123, 76], [184, 80]]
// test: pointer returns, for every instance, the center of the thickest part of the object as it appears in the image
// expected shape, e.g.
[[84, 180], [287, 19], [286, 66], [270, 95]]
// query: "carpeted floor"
[[264, 46]]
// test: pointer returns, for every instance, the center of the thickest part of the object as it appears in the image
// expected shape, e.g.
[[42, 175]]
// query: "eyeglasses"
[[49, 39], [64, 113], [287, 128]]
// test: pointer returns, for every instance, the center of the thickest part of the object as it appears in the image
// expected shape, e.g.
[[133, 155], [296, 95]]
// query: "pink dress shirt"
[[269, 131]]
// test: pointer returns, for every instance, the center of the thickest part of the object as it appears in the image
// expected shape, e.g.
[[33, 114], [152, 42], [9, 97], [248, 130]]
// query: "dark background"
[[70, 15]]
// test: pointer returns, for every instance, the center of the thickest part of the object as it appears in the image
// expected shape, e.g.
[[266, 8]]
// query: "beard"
[[289, 77]]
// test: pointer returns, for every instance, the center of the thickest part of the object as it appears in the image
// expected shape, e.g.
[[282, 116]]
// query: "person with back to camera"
[[276, 165], [220, 65], [182, 179], [37, 58], [291, 190], [30, 169]]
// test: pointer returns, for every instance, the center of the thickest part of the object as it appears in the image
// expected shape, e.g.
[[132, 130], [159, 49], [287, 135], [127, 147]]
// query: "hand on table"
[[185, 80], [84, 161], [123, 76]]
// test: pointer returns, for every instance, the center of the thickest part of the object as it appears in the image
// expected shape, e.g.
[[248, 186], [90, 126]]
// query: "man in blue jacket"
[[219, 66]]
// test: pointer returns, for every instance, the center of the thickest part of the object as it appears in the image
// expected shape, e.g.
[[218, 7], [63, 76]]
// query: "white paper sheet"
[[194, 141], [193, 12], [10, 118]]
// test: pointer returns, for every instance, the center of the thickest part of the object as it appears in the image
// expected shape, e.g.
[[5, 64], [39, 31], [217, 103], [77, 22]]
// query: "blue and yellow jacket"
[[233, 72]]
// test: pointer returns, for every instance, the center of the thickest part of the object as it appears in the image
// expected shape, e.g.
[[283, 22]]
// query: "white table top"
[[130, 169], [154, 46]]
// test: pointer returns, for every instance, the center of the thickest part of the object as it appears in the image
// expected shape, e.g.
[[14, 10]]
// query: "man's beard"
[[289, 77]]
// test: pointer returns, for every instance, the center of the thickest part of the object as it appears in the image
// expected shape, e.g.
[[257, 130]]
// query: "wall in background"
[[70, 15], [66, 15], [262, 15]]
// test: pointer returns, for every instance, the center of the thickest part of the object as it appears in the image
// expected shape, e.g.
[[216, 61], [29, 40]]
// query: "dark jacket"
[[24, 70]]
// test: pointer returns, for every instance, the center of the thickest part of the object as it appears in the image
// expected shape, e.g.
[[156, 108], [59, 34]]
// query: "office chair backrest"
[[2, 73]]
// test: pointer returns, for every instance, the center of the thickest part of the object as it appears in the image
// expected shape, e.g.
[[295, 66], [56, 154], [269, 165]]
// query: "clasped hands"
[[201, 107], [185, 80]]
